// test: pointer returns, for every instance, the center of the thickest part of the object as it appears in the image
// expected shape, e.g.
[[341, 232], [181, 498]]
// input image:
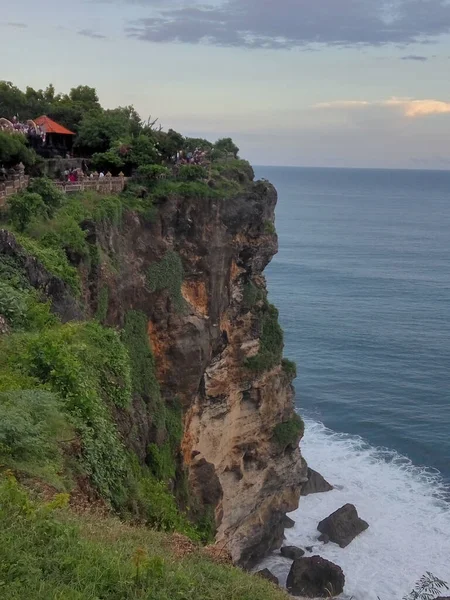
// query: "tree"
[[169, 143], [100, 129], [226, 146], [12, 100], [13, 150], [24, 207], [84, 95], [190, 144]]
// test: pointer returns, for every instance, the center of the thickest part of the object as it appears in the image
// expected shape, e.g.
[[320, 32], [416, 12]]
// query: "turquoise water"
[[362, 282]]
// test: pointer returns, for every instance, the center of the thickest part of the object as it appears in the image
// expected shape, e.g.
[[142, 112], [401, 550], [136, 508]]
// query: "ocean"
[[362, 283]]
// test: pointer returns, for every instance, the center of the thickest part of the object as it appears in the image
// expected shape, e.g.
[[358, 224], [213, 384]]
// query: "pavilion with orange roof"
[[56, 136]]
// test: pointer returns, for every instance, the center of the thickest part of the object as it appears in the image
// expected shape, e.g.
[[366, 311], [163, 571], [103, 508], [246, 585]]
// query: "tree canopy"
[[116, 139]]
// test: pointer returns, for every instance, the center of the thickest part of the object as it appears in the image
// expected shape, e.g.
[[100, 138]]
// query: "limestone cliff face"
[[201, 342]]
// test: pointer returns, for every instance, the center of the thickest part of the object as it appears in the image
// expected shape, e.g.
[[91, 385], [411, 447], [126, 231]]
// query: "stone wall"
[[11, 186], [105, 185]]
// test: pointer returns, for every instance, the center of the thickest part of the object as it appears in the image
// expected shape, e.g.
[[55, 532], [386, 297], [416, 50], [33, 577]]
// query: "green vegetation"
[[167, 274], [252, 295], [269, 228], [102, 305], [54, 260], [289, 433], [46, 553], [32, 430], [289, 367], [143, 372], [13, 150], [270, 341]]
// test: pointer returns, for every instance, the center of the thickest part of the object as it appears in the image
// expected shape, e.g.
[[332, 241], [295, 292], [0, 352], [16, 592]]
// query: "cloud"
[[16, 25], [292, 23], [409, 107], [91, 34], [415, 57]]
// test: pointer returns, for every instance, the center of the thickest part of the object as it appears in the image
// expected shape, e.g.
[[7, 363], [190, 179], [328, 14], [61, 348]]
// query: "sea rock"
[[291, 552], [315, 484], [309, 548], [315, 577], [343, 525], [266, 574], [324, 538], [288, 522]]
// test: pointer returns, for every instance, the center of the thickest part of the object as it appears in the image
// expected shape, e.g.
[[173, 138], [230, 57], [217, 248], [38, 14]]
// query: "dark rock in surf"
[[315, 484], [292, 552], [266, 574], [315, 577], [288, 522], [343, 525]]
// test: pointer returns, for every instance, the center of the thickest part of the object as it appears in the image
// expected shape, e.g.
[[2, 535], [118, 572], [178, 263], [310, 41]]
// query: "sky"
[[338, 83]]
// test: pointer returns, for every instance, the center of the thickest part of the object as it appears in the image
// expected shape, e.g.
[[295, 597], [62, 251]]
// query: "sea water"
[[362, 282]]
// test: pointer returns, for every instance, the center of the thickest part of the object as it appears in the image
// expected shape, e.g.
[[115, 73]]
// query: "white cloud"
[[408, 106]]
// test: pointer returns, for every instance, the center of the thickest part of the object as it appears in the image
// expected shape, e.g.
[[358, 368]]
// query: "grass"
[[46, 552]]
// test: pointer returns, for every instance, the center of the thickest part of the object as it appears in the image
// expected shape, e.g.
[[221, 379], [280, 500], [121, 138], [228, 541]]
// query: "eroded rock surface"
[[202, 340]]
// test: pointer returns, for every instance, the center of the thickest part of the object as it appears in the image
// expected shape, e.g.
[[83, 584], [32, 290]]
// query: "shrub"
[[61, 232], [102, 305], [149, 174], [23, 309], [24, 207], [289, 367], [167, 274], [12, 304], [143, 369], [54, 260], [270, 343], [88, 367], [52, 196], [290, 432], [31, 425], [192, 173], [269, 228]]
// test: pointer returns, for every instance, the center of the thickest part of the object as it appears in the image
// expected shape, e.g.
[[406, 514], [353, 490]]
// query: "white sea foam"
[[406, 507]]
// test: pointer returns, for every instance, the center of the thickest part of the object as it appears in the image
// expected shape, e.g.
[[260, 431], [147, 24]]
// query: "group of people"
[[29, 129], [198, 157], [73, 175]]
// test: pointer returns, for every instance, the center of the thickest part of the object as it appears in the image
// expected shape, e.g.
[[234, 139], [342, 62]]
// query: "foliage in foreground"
[[46, 553], [289, 433], [428, 587]]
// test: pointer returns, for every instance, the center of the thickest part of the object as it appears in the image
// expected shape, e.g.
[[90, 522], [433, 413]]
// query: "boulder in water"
[[288, 522], [266, 574], [324, 538], [315, 484], [343, 525], [291, 552], [315, 577]]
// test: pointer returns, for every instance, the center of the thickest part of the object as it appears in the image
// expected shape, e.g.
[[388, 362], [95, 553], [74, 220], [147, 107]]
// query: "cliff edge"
[[193, 266]]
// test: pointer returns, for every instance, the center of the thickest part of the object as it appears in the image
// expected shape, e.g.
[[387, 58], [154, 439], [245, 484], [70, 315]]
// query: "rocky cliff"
[[216, 252], [195, 270]]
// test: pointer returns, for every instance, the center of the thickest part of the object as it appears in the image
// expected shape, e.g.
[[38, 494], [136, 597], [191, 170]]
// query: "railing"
[[103, 185]]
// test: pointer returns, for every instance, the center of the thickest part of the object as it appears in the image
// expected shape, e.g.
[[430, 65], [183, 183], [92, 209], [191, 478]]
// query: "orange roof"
[[50, 126]]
